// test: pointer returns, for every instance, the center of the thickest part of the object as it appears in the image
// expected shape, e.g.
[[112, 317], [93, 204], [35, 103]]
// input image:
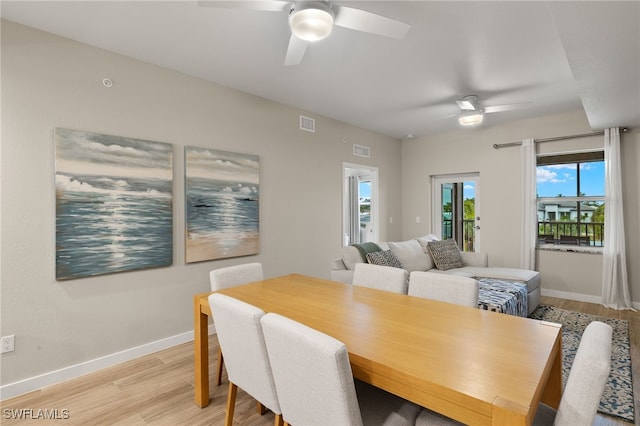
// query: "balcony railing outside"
[[571, 233], [468, 233], [564, 233]]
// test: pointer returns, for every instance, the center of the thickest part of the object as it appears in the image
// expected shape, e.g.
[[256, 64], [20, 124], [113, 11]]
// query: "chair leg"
[[261, 408], [220, 363], [231, 404], [278, 421]]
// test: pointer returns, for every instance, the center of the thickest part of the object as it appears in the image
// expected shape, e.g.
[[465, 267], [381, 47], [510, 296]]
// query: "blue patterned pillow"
[[445, 254], [384, 258]]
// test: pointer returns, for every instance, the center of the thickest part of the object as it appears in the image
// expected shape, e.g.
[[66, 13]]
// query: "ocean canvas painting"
[[222, 204], [114, 204]]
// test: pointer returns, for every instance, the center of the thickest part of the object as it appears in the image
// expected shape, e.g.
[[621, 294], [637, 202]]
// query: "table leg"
[[553, 390], [201, 354]]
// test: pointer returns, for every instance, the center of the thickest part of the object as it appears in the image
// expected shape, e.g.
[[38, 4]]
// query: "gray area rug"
[[617, 399]]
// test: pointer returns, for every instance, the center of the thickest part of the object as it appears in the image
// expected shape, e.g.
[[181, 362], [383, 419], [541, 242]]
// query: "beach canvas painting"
[[222, 199], [114, 204]]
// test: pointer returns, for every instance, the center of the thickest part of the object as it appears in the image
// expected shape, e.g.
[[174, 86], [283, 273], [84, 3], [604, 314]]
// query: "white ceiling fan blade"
[[361, 20], [502, 108], [466, 105], [263, 5], [295, 51], [448, 116]]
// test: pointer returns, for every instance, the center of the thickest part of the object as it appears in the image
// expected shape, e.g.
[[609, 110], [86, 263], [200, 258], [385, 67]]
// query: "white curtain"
[[354, 210], [529, 210], [615, 286]]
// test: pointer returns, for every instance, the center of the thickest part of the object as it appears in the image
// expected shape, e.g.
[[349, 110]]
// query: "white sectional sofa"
[[414, 255]]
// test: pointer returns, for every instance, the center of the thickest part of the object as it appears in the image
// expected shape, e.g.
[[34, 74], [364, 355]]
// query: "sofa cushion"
[[445, 254], [366, 247], [473, 258], [384, 258], [351, 256], [530, 278], [461, 272], [411, 255], [423, 241]]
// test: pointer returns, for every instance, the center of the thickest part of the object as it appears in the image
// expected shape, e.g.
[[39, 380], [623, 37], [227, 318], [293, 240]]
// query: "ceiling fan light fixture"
[[311, 22], [471, 118]]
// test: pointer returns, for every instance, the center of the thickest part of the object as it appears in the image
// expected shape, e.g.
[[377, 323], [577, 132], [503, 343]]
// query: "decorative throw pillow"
[[384, 258], [445, 254]]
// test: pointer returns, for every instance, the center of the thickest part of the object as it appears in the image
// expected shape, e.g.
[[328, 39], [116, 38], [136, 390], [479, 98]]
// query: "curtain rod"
[[557, 138]]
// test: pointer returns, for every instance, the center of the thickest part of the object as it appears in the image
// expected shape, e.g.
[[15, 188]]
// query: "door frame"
[[436, 201], [361, 170]]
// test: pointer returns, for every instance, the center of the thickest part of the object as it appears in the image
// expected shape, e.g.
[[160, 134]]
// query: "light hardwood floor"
[[634, 337], [158, 389]]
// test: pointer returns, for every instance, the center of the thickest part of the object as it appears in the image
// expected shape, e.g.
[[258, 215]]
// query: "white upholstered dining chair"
[[444, 288], [240, 335], [231, 276], [582, 393], [586, 381], [315, 383], [381, 277]]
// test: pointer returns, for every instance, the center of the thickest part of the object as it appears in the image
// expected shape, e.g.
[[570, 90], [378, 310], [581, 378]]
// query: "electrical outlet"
[[8, 343]]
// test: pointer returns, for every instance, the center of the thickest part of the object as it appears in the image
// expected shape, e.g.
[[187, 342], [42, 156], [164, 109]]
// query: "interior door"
[[360, 204], [456, 209]]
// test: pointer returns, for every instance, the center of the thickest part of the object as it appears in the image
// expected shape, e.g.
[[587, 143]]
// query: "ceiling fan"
[[311, 21], [472, 113]]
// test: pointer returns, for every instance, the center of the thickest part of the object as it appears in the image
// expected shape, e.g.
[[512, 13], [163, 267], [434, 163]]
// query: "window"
[[570, 199]]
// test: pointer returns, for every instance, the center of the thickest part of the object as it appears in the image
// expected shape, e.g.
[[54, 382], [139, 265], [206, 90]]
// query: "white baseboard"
[[571, 296], [578, 297], [52, 377]]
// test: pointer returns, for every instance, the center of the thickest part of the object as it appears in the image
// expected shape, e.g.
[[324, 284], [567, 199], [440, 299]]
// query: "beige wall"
[[50, 82], [576, 275]]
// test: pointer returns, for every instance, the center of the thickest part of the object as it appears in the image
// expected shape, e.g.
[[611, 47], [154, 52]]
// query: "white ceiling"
[[554, 56]]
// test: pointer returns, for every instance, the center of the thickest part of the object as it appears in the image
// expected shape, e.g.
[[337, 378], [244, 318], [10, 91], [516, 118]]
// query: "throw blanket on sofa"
[[365, 248], [507, 297]]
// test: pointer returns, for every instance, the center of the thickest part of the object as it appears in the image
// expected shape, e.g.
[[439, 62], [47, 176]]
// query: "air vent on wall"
[[308, 124], [361, 151]]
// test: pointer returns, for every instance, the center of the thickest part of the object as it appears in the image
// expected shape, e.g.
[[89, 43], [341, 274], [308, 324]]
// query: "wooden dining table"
[[475, 366]]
